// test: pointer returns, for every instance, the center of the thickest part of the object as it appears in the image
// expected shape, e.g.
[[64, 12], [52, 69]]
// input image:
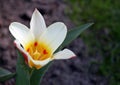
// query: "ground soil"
[[76, 71]]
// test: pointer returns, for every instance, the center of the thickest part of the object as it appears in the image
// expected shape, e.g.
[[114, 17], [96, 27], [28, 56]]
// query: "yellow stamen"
[[38, 51]]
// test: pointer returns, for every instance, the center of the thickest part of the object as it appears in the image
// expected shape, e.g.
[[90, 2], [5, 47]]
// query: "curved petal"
[[65, 54], [28, 57], [21, 33], [24, 53], [54, 35], [37, 24]]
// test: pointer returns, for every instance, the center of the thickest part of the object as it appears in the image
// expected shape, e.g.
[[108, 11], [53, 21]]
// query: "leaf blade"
[[22, 71], [38, 74], [5, 74], [74, 33]]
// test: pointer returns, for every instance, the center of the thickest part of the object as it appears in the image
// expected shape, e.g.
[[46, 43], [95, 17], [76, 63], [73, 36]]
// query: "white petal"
[[65, 54], [21, 33], [41, 63], [37, 24], [54, 35]]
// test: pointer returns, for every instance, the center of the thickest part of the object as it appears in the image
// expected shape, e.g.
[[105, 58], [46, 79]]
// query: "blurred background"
[[98, 48]]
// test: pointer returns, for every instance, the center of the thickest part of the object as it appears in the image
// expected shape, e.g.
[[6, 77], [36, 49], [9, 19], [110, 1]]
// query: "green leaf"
[[5, 74], [74, 33], [38, 74], [22, 71]]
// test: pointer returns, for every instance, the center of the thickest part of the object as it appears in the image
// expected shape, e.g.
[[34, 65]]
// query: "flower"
[[39, 43]]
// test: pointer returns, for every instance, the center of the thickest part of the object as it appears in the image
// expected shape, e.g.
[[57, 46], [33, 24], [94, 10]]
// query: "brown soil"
[[77, 71]]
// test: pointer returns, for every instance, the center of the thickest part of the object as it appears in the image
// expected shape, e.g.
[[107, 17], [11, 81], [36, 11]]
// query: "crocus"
[[39, 43]]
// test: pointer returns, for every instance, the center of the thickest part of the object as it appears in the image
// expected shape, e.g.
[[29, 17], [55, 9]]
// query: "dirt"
[[76, 71]]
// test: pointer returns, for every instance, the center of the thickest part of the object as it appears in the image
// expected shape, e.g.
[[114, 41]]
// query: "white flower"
[[39, 43]]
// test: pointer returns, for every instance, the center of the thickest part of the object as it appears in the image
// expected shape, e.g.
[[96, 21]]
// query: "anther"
[[28, 50], [45, 52], [35, 44]]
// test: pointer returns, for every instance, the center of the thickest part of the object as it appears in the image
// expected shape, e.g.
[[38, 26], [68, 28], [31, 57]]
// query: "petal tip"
[[36, 10], [73, 57], [65, 54], [62, 24], [11, 24]]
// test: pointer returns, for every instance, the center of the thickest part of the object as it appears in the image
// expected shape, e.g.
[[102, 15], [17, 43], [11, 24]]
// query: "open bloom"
[[39, 43]]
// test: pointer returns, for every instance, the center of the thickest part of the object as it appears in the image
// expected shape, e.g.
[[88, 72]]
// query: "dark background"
[[97, 49]]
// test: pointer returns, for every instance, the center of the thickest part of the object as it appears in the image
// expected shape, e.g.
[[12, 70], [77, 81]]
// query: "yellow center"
[[38, 51]]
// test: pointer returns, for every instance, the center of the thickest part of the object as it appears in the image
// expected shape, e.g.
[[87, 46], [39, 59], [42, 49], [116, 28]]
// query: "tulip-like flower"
[[39, 43]]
